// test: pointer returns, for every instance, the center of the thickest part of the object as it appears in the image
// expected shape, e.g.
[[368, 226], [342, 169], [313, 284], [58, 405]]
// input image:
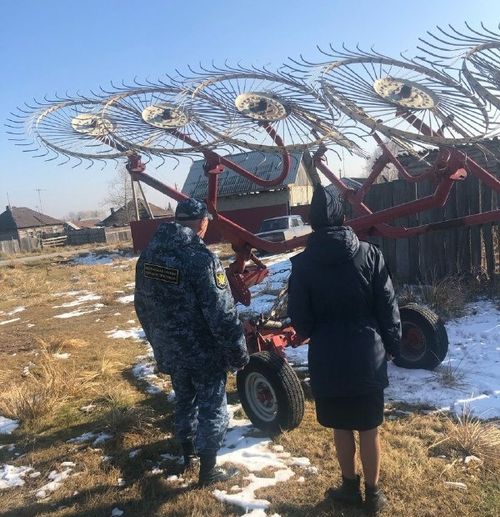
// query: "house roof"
[[484, 152], [85, 223], [15, 218], [122, 216], [264, 165]]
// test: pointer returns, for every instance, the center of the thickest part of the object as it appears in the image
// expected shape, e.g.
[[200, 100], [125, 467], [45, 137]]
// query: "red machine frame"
[[451, 165]]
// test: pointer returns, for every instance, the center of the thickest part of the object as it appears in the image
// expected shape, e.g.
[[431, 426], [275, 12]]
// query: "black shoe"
[[189, 454], [348, 493], [210, 473], [216, 475], [375, 500]]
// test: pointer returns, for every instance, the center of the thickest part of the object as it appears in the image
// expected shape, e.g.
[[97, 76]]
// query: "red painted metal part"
[[451, 165], [260, 336]]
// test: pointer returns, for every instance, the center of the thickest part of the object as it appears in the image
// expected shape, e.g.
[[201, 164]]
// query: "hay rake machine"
[[437, 102]]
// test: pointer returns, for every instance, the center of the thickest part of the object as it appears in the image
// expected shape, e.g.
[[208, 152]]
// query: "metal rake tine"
[[65, 157], [437, 47], [464, 37], [58, 98], [162, 163], [372, 49], [451, 36], [55, 156], [482, 36], [14, 114], [185, 76], [177, 161], [431, 54], [105, 91], [360, 50], [496, 35], [32, 108]]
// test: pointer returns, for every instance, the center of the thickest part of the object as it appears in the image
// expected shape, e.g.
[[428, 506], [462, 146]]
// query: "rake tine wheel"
[[71, 128], [261, 104], [479, 53], [403, 100], [162, 120]]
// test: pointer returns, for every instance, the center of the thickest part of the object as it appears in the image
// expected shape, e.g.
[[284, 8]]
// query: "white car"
[[283, 228]]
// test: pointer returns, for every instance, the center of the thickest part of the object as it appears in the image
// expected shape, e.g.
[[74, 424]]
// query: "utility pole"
[[40, 198]]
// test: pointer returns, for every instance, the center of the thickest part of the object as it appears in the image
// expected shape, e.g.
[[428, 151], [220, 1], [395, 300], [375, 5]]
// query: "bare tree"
[[119, 193]]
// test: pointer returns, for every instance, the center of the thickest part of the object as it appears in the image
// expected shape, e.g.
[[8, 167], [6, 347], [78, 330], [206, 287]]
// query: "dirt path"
[[42, 256]]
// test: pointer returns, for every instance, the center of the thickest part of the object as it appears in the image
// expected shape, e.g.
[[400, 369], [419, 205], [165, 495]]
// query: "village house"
[[27, 226], [248, 204], [125, 214]]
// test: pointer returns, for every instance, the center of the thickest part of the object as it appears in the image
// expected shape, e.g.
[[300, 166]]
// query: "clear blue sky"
[[49, 46]]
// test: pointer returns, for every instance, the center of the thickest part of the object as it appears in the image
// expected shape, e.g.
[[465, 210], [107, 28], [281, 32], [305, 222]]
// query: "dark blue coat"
[[342, 297], [185, 306]]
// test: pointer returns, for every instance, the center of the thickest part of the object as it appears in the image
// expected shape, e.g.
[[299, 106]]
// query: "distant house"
[[247, 203], [18, 223], [80, 224], [124, 215]]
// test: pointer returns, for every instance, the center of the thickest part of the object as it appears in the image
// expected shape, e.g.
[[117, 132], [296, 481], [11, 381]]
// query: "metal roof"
[[263, 165]]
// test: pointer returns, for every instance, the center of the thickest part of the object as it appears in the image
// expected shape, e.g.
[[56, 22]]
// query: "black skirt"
[[359, 413]]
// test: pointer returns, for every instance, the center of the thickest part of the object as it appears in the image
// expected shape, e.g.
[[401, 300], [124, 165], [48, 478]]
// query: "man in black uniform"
[[341, 297], [187, 312]]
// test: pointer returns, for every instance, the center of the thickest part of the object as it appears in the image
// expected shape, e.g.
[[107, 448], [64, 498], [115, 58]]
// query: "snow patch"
[[473, 359], [16, 310], [95, 438], [7, 425], [126, 299], [56, 479], [64, 355], [9, 321], [88, 297], [91, 259], [133, 333], [12, 476], [73, 314], [246, 497]]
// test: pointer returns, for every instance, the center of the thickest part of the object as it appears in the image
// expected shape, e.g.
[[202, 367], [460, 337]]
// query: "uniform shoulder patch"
[[220, 278], [166, 274]]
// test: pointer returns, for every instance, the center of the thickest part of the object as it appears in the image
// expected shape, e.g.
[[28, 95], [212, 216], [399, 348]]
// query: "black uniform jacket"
[[341, 296]]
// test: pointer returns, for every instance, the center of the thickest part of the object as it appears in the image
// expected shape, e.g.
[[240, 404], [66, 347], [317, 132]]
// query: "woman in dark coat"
[[341, 297]]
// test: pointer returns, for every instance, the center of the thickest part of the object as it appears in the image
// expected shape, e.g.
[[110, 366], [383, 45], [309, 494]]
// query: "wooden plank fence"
[[463, 250], [54, 242]]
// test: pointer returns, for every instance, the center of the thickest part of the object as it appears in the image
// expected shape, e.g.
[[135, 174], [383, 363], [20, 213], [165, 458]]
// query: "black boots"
[[210, 473], [375, 500], [189, 454], [348, 493]]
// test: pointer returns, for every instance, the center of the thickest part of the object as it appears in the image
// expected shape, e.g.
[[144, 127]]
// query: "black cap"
[[191, 209], [327, 207]]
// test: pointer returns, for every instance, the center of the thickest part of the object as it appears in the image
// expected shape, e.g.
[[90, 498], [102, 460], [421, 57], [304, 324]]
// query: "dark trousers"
[[200, 410]]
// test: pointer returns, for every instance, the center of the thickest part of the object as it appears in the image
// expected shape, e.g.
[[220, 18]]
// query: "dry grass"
[[96, 376], [450, 376], [48, 384], [447, 297], [468, 436]]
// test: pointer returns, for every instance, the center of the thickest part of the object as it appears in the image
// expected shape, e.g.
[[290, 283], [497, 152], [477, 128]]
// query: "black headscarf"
[[327, 207]]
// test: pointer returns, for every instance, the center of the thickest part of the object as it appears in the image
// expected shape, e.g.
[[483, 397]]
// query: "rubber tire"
[[286, 385], [434, 332]]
